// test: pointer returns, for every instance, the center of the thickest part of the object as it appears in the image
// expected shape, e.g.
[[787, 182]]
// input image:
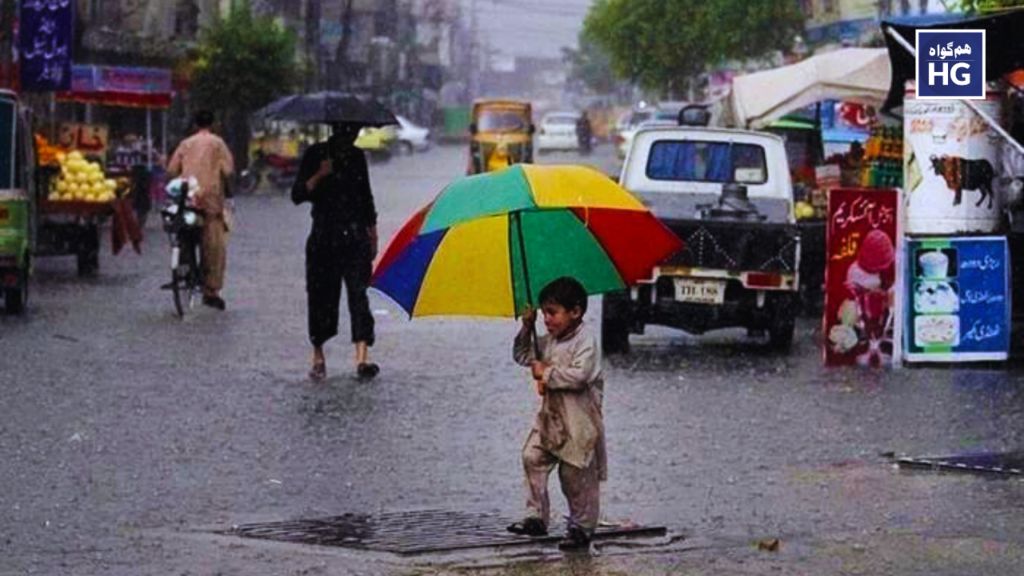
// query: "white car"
[[626, 128], [558, 132], [411, 137]]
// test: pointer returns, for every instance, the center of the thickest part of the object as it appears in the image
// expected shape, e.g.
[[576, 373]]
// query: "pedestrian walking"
[[568, 431], [342, 243], [584, 132], [205, 157]]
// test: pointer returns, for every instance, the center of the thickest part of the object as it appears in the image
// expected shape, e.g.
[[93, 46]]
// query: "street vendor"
[[206, 157]]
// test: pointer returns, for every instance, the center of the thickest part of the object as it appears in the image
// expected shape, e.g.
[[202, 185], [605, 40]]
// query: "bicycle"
[[183, 225]]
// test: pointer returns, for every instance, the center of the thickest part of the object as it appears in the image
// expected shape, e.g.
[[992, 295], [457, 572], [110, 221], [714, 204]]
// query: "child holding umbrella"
[[568, 431]]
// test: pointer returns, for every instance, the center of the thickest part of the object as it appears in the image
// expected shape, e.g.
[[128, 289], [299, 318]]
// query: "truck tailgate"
[[736, 246]]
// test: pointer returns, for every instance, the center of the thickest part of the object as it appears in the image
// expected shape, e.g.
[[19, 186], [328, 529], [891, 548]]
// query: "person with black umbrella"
[[342, 244]]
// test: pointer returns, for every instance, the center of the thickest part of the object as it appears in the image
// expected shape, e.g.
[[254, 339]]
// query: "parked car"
[[411, 136], [627, 126], [558, 132], [727, 194]]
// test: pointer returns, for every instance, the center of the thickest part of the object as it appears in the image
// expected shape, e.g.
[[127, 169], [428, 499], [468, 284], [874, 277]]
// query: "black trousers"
[[331, 258]]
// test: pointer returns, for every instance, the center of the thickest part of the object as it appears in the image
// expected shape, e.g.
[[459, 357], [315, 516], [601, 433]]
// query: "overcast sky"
[[529, 27]]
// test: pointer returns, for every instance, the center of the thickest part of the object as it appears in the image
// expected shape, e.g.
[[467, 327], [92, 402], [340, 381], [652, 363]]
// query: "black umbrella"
[[1004, 53], [329, 107]]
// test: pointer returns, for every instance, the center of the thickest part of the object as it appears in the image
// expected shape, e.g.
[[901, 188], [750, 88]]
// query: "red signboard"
[[860, 277]]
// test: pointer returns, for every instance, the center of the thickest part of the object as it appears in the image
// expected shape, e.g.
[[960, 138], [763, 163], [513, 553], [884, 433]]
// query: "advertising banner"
[[860, 277], [958, 303], [45, 43]]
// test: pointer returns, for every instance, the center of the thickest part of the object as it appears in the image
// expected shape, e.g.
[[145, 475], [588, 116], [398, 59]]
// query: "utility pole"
[[474, 51], [8, 11], [313, 13]]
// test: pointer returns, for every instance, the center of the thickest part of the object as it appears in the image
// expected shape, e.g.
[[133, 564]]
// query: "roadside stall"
[[87, 181], [841, 87], [959, 169]]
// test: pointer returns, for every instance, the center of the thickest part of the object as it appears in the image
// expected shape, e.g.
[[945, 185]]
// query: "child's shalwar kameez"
[[569, 428]]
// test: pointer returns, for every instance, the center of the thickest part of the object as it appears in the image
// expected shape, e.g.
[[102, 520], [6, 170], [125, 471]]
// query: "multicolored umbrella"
[[488, 244]]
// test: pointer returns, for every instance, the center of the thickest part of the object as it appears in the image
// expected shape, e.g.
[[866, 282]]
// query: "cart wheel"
[[88, 262], [89, 251]]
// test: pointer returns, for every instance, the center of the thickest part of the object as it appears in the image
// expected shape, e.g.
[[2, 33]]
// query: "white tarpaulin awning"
[[851, 74]]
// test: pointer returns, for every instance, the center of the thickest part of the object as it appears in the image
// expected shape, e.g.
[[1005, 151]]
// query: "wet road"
[[124, 433]]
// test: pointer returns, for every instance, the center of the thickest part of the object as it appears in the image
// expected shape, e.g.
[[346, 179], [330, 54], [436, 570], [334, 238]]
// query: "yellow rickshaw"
[[501, 134]]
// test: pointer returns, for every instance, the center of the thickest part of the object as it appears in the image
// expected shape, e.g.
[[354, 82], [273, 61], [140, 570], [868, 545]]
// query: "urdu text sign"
[[951, 64]]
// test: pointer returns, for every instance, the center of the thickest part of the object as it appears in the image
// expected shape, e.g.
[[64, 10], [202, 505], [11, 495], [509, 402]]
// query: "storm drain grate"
[[417, 532], [988, 463]]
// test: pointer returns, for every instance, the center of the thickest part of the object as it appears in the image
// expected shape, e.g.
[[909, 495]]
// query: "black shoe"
[[367, 370], [575, 539], [214, 302], [168, 286], [529, 527]]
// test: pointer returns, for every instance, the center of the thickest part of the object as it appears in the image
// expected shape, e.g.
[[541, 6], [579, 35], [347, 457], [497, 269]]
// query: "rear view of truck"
[[727, 194]]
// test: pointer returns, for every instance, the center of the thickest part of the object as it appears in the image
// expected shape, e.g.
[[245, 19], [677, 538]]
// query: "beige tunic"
[[570, 423], [205, 157]]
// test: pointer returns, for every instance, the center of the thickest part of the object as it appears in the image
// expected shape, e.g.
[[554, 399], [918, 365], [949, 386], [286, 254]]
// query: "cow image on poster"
[[962, 174]]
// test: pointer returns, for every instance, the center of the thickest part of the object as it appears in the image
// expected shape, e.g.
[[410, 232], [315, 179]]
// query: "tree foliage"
[[663, 44], [244, 62], [590, 65], [984, 6]]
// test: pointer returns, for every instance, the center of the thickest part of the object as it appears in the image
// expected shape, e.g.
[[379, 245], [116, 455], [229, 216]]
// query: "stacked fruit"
[[47, 152], [81, 180]]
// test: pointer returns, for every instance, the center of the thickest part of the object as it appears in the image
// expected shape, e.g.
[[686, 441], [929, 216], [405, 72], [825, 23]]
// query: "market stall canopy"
[[328, 107], [1004, 55], [119, 86], [851, 74]]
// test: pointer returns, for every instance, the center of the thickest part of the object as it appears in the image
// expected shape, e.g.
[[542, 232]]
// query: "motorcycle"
[[279, 170]]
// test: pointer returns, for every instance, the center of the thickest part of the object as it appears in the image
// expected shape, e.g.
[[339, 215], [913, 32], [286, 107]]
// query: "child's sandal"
[[528, 527]]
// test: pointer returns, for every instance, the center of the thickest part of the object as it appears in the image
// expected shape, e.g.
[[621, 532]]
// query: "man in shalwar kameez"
[[205, 157], [568, 431]]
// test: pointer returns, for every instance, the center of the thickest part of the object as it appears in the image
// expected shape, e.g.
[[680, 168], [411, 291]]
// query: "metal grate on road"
[[417, 532], [1008, 464]]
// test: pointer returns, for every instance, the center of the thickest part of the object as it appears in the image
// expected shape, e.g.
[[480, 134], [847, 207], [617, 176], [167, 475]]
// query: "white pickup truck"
[[727, 194]]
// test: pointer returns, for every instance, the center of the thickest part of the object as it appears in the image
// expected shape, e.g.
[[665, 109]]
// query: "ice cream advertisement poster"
[[860, 277], [958, 301]]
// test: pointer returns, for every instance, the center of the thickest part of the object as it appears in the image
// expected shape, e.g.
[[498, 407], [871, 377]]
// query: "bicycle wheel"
[[184, 283], [179, 290]]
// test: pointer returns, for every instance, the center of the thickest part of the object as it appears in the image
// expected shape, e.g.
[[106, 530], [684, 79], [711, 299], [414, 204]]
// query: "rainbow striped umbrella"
[[487, 244]]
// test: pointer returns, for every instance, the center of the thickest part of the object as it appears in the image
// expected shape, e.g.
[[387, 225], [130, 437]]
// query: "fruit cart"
[[72, 227], [78, 199]]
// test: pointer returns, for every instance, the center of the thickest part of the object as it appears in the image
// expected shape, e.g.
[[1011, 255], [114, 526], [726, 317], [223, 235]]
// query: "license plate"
[[700, 291], [5, 214]]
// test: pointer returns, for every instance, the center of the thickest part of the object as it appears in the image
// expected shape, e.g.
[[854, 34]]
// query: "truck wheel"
[[783, 322], [615, 322]]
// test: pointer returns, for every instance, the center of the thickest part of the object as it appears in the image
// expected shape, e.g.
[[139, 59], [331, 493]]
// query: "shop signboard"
[[958, 300], [860, 277], [952, 166], [45, 43], [86, 138]]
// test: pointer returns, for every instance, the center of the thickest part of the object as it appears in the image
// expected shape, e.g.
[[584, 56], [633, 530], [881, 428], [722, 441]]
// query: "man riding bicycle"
[[205, 157]]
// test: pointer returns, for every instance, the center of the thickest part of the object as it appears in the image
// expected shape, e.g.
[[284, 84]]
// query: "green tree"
[[244, 62], [666, 44], [983, 6], [590, 65]]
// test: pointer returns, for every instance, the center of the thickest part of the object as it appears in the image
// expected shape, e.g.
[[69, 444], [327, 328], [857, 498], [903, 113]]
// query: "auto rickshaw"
[[501, 134], [17, 202]]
